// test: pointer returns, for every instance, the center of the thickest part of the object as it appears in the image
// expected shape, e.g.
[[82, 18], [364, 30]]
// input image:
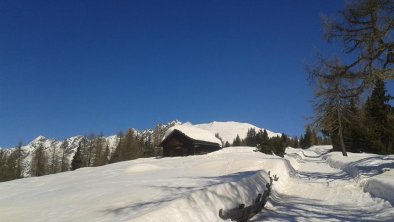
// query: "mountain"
[[228, 131], [65, 150]]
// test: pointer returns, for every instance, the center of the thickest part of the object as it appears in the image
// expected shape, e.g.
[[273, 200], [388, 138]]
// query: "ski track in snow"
[[194, 188], [318, 192]]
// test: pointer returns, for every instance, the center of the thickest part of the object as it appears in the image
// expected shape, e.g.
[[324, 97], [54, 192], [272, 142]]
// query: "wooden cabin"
[[188, 140]]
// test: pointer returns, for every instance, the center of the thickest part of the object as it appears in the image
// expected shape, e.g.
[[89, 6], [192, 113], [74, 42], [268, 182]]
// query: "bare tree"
[[334, 89], [366, 30], [39, 162], [64, 165]]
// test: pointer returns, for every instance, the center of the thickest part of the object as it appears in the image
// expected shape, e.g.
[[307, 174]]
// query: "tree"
[[39, 161], [365, 29], [77, 161], [54, 159], [263, 141], [250, 139], [378, 111], [19, 155], [130, 147], [333, 91], [308, 138], [3, 165], [220, 138], [64, 164], [99, 156], [237, 141], [118, 153]]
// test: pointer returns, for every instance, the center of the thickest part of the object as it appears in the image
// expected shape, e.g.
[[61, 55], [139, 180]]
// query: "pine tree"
[[77, 161], [237, 141], [250, 139], [308, 137], [264, 142], [377, 111]]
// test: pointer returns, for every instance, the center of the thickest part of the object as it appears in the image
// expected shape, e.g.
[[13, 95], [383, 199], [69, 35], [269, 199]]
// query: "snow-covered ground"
[[312, 186]]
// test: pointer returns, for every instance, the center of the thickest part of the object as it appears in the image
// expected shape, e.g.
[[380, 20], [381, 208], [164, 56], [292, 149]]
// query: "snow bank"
[[371, 170], [204, 205], [192, 188]]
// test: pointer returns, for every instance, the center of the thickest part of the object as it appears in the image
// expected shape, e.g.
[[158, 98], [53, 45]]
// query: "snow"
[[194, 188], [228, 131], [193, 133], [373, 171]]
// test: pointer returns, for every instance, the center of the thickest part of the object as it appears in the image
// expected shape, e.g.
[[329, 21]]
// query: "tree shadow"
[[292, 208], [172, 193], [324, 176]]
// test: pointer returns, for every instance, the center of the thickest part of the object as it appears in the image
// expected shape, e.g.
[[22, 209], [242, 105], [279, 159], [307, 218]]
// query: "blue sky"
[[74, 67]]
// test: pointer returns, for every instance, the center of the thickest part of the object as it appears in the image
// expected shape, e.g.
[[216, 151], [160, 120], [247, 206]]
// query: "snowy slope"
[[194, 188], [228, 130]]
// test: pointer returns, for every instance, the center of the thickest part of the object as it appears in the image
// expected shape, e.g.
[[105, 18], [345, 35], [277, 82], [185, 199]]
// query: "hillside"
[[227, 131], [194, 188]]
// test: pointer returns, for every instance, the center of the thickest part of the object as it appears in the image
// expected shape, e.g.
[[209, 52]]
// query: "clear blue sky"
[[73, 67]]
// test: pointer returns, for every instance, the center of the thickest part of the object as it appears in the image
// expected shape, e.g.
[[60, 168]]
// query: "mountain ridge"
[[67, 148]]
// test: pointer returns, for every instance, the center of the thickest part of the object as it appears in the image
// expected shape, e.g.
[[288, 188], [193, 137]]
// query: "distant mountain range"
[[226, 130]]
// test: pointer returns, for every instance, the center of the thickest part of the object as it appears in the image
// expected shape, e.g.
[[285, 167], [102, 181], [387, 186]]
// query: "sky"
[[73, 67]]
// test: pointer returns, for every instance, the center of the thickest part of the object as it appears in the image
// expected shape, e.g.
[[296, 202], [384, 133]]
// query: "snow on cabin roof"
[[194, 133]]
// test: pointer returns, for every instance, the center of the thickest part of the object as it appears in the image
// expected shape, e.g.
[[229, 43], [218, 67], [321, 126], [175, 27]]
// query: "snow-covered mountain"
[[227, 131]]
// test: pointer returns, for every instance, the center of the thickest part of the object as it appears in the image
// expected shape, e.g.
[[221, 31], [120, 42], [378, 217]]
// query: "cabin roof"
[[193, 133]]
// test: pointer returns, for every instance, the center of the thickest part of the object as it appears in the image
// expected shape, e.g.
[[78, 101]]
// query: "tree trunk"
[[340, 131]]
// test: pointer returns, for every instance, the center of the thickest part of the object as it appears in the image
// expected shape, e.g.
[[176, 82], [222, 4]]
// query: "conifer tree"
[[237, 141], [264, 142], [377, 111], [77, 161]]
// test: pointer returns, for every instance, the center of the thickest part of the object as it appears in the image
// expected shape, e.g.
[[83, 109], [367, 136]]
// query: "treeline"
[[312, 138], [368, 126], [132, 145], [277, 144], [91, 151], [351, 102], [261, 140], [43, 161]]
